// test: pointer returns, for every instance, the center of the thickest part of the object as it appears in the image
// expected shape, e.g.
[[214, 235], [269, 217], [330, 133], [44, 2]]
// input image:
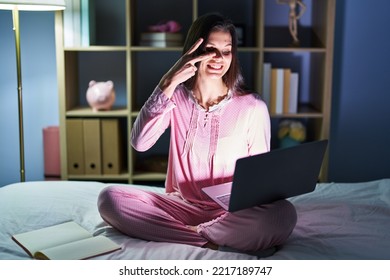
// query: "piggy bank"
[[100, 95]]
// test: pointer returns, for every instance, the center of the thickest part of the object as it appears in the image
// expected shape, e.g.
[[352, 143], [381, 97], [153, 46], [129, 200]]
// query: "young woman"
[[214, 121]]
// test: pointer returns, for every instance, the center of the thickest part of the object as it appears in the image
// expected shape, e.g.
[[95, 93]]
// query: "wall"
[[359, 147], [40, 100], [360, 138]]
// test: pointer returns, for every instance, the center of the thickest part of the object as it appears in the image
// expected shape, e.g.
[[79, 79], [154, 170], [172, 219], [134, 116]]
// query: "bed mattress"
[[336, 221]]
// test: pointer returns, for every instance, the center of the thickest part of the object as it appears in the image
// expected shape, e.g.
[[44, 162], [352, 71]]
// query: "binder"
[[75, 146], [92, 146], [111, 146]]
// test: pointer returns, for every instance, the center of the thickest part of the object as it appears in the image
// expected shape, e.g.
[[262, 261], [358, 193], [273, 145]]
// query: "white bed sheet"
[[336, 221]]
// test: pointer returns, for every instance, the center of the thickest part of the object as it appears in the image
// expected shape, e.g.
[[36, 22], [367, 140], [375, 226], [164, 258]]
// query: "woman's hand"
[[182, 70]]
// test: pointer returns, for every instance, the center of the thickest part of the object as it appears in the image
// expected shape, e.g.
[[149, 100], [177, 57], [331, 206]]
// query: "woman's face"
[[220, 43]]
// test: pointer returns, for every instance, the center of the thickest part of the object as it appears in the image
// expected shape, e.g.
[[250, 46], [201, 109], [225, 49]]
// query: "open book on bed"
[[66, 241]]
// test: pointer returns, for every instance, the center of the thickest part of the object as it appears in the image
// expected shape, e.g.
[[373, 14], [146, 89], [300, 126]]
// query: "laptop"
[[265, 178]]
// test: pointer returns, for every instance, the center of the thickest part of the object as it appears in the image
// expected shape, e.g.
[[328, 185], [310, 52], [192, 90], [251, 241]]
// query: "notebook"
[[275, 175]]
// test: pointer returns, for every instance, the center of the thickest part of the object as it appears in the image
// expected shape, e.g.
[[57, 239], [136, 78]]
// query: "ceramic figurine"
[[100, 95]]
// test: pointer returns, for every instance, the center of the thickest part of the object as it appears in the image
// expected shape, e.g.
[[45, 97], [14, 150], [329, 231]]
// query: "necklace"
[[208, 105]]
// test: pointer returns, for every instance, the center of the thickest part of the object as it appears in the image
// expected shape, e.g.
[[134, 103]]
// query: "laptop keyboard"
[[224, 198]]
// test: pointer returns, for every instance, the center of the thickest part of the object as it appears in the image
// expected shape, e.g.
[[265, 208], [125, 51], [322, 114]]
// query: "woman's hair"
[[201, 28]]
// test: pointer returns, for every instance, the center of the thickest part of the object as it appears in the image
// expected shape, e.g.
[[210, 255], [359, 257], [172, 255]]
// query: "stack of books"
[[280, 89], [161, 39], [79, 23]]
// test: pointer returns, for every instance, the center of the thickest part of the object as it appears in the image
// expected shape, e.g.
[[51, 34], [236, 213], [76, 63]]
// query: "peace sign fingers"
[[195, 46], [199, 58], [183, 69]]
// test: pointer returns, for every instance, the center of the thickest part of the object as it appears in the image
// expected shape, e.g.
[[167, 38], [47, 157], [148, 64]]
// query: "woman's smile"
[[220, 43]]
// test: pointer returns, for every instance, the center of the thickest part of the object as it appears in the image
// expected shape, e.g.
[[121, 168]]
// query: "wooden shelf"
[[279, 37], [153, 49], [88, 112], [121, 55], [103, 177], [96, 49], [294, 49], [149, 176], [304, 111]]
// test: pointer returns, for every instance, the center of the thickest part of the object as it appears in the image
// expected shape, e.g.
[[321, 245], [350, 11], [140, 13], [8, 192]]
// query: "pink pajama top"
[[204, 145]]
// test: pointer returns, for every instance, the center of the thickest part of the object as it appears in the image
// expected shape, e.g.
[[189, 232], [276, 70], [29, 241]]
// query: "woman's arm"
[[152, 121], [259, 132], [154, 116], [182, 70]]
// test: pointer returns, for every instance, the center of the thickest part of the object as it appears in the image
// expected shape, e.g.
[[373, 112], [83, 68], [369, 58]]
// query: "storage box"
[[161, 39], [51, 151]]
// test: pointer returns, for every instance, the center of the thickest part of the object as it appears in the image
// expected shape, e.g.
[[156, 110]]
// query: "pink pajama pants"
[[161, 217]]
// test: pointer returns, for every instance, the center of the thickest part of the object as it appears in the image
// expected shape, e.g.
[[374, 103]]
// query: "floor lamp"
[[16, 6]]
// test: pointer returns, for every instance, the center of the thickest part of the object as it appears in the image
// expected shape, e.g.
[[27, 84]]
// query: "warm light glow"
[[31, 5]]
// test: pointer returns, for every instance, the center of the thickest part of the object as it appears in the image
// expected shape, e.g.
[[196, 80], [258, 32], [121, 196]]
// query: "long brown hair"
[[201, 28]]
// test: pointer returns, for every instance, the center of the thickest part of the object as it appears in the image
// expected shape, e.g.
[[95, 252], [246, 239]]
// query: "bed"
[[337, 221]]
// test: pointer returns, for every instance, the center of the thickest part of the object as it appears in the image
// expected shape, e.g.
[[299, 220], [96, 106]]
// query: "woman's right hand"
[[182, 70]]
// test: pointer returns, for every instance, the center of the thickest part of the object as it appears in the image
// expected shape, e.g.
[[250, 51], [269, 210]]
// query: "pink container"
[[51, 151]]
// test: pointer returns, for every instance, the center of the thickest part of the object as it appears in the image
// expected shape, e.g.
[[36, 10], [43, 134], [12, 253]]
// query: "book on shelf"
[[79, 23], [72, 23], [286, 89], [68, 24], [277, 90], [267, 83], [66, 241], [87, 23], [293, 104], [282, 90], [161, 39]]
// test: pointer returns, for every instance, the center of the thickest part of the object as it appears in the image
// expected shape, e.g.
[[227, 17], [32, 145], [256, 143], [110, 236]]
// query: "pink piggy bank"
[[100, 95]]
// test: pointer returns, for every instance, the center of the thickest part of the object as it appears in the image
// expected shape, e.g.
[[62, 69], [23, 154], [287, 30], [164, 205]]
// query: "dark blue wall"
[[360, 131], [360, 138]]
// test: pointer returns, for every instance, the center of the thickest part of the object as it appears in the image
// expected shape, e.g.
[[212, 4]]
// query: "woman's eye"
[[222, 52], [226, 52]]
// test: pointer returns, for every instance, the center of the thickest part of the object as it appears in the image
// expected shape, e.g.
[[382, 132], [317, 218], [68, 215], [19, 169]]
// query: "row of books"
[[280, 89], [94, 146], [79, 23]]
